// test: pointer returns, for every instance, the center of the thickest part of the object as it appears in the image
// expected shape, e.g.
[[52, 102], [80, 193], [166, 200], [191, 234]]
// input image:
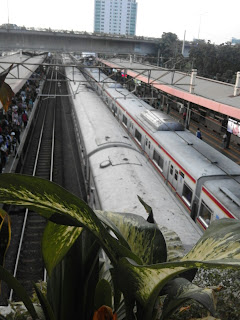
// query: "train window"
[[158, 159], [124, 120], [171, 169], [149, 144], [138, 136], [146, 141], [176, 174], [205, 214], [187, 194]]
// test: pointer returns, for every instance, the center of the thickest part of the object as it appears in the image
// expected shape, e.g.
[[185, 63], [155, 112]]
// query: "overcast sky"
[[212, 20]]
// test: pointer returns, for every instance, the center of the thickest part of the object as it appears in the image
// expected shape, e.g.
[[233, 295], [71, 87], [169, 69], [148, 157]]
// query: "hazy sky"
[[213, 20]]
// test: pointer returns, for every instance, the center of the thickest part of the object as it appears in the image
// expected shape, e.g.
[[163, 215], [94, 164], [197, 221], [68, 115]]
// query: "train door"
[[173, 175], [147, 146]]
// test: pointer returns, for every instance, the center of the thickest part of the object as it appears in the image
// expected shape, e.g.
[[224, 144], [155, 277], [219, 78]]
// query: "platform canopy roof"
[[211, 94]]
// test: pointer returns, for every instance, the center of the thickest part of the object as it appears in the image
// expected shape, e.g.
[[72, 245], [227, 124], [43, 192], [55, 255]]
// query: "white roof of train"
[[19, 75], [127, 175], [198, 157], [96, 120]]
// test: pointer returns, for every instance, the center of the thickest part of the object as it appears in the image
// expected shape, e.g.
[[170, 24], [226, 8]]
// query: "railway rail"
[[50, 155]]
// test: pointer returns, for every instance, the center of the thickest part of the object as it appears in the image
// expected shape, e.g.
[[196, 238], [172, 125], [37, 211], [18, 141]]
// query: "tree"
[[216, 62], [169, 48]]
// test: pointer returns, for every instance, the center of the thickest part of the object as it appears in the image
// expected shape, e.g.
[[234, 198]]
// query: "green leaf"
[[103, 294], [145, 239], [148, 209], [56, 242], [49, 199], [180, 290], [5, 234], [102, 215], [47, 310], [219, 242], [19, 290], [218, 248]]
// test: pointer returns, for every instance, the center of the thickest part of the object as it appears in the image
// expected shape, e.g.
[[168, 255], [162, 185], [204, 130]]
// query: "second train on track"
[[205, 181]]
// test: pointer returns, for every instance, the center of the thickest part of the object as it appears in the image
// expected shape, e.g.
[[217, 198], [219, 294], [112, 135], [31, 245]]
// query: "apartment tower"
[[115, 16]]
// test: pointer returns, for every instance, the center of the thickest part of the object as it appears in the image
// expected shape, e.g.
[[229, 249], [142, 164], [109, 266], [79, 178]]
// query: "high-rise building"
[[115, 16]]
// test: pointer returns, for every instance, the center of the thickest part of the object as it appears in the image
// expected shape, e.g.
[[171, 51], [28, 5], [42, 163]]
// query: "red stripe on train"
[[154, 140], [218, 203]]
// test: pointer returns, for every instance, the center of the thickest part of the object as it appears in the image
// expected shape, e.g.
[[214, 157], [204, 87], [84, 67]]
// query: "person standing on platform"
[[224, 141], [13, 143], [199, 134], [25, 119], [3, 150], [184, 117], [17, 133]]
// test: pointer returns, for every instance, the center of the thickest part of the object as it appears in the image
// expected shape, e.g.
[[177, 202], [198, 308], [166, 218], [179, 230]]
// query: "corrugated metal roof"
[[19, 74]]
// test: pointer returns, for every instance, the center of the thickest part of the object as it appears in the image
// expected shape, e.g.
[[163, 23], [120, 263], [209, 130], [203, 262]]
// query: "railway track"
[[51, 155]]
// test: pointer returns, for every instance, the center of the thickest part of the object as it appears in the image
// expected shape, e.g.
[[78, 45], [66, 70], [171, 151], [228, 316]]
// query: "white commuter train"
[[205, 181], [115, 171]]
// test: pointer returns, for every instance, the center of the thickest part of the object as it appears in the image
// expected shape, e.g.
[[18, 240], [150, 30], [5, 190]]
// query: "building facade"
[[115, 16], [235, 41]]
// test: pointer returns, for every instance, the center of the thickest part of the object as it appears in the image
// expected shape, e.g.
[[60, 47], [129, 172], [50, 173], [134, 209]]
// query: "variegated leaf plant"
[[140, 283]]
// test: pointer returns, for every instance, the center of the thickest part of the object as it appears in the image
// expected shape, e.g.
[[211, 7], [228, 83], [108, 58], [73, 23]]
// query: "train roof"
[[228, 194], [106, 81], [198, 157], [123, 174], [96, 120]]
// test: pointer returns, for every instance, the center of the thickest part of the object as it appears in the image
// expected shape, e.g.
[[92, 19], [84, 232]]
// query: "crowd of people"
[[15, 120]]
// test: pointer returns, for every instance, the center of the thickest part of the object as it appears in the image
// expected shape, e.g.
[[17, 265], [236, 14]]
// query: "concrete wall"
[[68, 42]]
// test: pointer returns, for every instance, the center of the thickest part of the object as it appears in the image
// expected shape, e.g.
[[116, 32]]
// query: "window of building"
[[205, 214], [158, 159], [187, 194], [138, 136]]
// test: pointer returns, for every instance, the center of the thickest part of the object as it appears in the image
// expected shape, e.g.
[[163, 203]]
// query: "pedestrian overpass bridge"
[[70, 41]]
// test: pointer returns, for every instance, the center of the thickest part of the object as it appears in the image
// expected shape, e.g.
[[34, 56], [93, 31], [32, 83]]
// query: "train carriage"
[[184, 161]]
